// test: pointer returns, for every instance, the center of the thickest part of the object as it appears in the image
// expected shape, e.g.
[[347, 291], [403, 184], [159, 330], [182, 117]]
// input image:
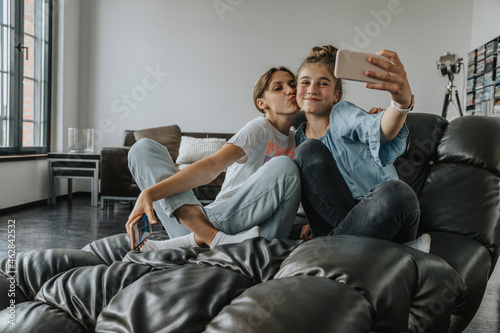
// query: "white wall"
[[23, 182], [485, 22], [208, 60]]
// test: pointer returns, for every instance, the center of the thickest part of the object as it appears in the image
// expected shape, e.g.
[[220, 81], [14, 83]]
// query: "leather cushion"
[[392, 278], [38, 267], [473, 265], [83, 292], [169, 136], [110, 249], [474, 141], [180, 299], [40, 317], [425, 132], [300, 303], [464, 200]]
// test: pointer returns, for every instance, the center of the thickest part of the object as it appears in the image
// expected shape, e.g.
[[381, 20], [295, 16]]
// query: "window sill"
[[15, 158]]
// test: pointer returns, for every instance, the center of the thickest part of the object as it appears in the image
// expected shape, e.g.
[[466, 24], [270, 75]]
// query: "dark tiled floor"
[[75, 224], [65, 225]]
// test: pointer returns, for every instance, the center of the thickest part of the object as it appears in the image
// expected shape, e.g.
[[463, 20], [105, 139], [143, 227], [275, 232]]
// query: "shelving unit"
[[483, 80]]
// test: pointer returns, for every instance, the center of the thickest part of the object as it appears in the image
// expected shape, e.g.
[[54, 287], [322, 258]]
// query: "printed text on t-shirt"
[[273, 150]]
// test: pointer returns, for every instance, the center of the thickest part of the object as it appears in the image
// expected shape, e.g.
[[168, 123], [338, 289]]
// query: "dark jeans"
[[390, 211]]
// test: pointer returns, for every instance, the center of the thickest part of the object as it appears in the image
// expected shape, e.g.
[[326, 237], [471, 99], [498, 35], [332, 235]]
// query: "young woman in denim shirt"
[[345, 155]]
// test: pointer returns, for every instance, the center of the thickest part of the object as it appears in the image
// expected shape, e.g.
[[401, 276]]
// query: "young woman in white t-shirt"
[[261, 192]]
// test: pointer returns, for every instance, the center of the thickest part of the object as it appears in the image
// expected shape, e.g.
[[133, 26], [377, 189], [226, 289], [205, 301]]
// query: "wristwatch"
[[412, 103]]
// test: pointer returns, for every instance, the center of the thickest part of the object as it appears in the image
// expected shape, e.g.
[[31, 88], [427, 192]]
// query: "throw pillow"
[[194, 149], [169, 136]]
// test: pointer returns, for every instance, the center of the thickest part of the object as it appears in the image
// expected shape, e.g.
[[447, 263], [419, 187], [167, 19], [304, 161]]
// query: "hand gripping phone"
[[351, 65], [140, 228]]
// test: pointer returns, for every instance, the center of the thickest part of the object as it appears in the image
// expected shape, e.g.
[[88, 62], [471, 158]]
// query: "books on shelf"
[[471, 57], [471, 70], [488, 93], [480, 67], [479, 82], [471, 84], [481, 52], [488, 79], [470, 99], [491, 48], [496, 105], [489, 64], [478, 109], [483, 79], [478, 98]]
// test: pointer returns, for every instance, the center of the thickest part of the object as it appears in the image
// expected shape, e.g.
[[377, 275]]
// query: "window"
[[25, 41]]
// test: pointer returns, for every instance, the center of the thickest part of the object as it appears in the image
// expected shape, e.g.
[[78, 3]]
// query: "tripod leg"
[[458, 103], [445, 105]]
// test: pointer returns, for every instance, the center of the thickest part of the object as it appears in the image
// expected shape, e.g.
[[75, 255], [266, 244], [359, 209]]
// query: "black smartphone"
[[140, 228]]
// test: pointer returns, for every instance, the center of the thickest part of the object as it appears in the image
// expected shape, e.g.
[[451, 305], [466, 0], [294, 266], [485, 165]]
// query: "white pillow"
[[194, 149]]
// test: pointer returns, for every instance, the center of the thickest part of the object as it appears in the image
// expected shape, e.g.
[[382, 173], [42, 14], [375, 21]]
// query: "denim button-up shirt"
[[354, 140]]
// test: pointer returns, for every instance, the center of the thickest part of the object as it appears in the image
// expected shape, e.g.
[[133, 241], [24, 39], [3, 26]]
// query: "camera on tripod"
[[449, 63]]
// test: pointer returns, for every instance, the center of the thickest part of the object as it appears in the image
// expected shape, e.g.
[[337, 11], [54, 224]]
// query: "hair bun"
[[326, 51]]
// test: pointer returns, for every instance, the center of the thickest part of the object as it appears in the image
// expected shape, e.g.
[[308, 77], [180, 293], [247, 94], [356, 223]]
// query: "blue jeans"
[[269, 198], [390, 211]]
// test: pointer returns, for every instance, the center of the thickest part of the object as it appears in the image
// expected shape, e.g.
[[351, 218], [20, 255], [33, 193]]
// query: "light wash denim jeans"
[[269, 198]]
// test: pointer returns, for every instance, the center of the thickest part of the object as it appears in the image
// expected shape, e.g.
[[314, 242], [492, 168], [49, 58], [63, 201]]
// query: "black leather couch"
[[329, 284]]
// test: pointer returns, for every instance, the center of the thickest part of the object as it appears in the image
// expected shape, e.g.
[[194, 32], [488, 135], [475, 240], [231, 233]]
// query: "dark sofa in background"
[[328, 284], [116, 180]]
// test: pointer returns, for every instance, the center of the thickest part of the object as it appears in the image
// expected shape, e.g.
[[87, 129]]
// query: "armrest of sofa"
[[128, 138], [116, 179], [461, 195]]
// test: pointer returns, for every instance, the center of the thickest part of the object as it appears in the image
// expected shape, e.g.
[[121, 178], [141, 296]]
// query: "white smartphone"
[[141, 229], [351, 65]]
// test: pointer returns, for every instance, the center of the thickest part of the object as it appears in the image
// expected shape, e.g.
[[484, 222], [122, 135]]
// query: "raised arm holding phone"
[[351, 186]]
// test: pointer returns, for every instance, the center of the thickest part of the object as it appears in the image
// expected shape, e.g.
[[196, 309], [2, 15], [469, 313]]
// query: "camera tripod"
[[450, 88]]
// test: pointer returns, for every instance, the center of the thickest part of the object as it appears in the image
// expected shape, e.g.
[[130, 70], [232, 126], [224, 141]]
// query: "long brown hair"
[[263, 83], [325, 55]]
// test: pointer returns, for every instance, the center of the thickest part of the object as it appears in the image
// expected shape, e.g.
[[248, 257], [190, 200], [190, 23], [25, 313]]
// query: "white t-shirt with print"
[[260, 141]]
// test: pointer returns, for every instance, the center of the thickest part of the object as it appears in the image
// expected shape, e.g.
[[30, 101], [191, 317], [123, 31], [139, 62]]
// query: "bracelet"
[[412, 103]]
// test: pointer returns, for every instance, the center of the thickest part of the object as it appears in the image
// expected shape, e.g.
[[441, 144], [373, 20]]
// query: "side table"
[[69, 166]]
